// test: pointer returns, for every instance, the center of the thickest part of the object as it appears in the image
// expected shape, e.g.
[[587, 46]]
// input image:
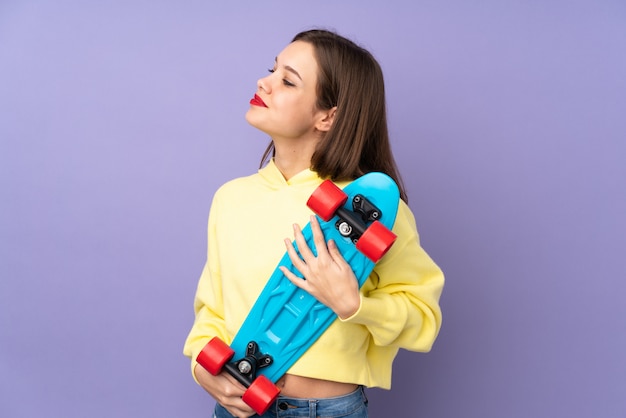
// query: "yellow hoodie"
[[249, 219]]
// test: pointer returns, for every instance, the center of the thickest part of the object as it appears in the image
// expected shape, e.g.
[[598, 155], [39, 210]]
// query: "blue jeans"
[[352, 405]]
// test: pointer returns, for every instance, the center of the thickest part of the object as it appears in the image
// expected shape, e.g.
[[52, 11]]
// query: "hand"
[[225, 390], [329, 278]]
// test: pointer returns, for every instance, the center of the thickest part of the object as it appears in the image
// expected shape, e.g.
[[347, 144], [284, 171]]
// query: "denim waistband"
[[340, 406]]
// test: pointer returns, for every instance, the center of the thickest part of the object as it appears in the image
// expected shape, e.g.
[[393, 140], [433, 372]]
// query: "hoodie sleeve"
[[401, 305], [208, 301]]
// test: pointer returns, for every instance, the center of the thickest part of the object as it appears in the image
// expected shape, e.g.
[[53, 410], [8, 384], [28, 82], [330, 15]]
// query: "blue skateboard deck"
[[286, 320]]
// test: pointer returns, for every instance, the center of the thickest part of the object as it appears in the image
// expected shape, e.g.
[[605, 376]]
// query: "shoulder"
[[238, 184], [405, 220], [234, 191]]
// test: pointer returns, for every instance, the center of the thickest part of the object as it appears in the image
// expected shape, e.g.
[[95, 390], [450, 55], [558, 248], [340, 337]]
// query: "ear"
[[326, 119]]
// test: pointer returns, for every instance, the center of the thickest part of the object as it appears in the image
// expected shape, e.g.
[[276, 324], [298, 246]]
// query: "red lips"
[[256, 101]]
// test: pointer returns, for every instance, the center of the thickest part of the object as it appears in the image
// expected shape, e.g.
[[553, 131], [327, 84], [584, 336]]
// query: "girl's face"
[[284, 104]]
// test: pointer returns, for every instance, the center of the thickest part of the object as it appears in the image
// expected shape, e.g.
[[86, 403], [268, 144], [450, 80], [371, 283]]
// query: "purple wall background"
[[119, 121]]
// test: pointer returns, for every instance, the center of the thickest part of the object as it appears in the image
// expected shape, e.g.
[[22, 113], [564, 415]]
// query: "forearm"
[[399, 319]]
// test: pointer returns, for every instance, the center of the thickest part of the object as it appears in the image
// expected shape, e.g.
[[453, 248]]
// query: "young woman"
[[323, 106]]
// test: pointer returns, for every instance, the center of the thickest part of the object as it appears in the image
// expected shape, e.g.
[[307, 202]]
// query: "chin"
[[250, 118], [254, 122]]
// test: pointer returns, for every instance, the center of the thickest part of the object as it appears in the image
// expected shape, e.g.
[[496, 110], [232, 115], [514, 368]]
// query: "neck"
[[293, 159], [289, 167]]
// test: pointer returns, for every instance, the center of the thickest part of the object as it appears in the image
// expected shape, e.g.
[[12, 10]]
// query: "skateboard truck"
[[361, 224], [353, 224], [261, 392], [245, 369]]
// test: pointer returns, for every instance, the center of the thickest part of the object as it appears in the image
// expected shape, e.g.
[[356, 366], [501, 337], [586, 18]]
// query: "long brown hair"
[[358, 141]]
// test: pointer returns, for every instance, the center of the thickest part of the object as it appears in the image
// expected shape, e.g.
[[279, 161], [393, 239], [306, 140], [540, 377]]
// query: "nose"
[[264, 84]]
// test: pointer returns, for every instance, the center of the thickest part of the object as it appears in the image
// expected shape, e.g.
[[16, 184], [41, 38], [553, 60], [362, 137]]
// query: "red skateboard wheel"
[[376, 241], [261, 394], [326, 199], [214, 355]]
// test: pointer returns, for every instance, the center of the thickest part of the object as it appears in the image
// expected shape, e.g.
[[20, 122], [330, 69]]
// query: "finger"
[[297, 262], [334, 252], [318, 237], [305, 252], [232, 397], [240, 408], [237, 389], [240, 411], [297, 281]]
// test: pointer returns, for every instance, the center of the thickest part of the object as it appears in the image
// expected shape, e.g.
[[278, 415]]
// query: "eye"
[[285, 81]]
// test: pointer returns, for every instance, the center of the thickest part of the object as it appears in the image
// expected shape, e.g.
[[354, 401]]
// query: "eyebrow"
[[290, 69]]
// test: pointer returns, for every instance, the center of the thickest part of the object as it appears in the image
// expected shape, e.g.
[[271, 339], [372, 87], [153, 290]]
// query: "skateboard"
[[286, 320]]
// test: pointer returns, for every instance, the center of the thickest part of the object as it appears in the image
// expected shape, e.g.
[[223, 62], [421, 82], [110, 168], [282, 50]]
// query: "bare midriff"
[[307, 387]]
